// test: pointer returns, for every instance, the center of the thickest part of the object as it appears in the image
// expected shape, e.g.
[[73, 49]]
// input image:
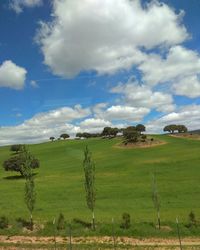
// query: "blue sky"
[[70, 66]]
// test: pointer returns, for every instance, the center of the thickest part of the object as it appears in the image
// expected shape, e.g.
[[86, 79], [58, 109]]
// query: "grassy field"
[[123, 181]]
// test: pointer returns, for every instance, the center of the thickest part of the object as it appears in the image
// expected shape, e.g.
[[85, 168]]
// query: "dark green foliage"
[[126, 221], [192, 219], [144, 137], [16, 148], [140, 128], [64, 136], [89, 170], [3, 222], [52, 138], [17, 163], [110, 132], [61, 222], [172, 128], [82, 223], [23, 223], [131, 135], [87, 135]]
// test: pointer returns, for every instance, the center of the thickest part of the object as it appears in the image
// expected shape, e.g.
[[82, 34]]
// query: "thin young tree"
[[30, 197], [89, 170], [156, 200], [30, 194]]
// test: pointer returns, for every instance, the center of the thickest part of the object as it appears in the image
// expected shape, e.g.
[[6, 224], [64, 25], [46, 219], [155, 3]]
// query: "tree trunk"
[[31, 222], [158, 216], [93, 221]]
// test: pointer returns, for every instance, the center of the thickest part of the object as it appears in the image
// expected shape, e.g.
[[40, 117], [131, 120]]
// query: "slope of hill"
[[123, 180]]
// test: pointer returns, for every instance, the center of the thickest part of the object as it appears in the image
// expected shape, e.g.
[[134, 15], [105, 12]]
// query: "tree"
[[155, 199], [16, 148], [64, 136], [52, 138], [30, 197], [89, 171], [79, 135], [140, 128], [182, 128], [131, 134], [30, 194], [167, 129], [17, 163], [106, 131]]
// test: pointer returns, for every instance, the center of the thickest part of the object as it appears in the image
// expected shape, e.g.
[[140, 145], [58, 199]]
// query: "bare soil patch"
[[187, 135], [147, 144], [158, 243]]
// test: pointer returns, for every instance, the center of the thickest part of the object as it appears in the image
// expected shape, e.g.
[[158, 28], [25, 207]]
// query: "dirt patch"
[[187, 136], [99, 240], [146, 144]]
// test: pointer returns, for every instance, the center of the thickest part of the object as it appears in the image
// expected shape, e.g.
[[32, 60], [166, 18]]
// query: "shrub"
[[82, 223], [3, 222], [126, 221], [23, 223], [144, 137], [192, 218], [16, 148], [61, 222], [152, 139]]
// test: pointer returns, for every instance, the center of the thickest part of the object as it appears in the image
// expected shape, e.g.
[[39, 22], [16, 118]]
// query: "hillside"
[[123, 180]]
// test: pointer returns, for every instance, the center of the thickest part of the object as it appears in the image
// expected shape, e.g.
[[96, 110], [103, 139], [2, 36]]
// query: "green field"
[[123, 181]]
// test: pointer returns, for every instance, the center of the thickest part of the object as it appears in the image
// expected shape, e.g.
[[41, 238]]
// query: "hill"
[[123, 181], [195, 131]]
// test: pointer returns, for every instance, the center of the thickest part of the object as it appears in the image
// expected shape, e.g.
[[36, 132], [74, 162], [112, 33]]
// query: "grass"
[[123, 181]]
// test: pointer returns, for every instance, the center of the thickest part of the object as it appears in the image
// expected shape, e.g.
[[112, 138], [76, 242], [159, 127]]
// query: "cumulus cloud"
[[19, 5], [94, 125], [11, 75], [188, 86], [43, 125], [187, 115], [127, 113], [180, 68], [140, 95], [107, 39]]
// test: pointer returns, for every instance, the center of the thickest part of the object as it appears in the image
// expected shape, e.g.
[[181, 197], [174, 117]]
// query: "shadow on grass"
[[16, 177]]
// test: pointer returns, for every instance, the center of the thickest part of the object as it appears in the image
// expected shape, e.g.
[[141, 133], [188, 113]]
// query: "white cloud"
[[188, 86], [137, 95], [11, 75], [127, 113], [180, 62], [19, 5], [34, 84], [43, 125], [94, 125], [180, 68], [187, 115], [105, 36]]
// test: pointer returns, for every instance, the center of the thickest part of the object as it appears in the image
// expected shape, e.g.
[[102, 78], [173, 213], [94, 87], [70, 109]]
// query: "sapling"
[[89, 170], [156, 201]]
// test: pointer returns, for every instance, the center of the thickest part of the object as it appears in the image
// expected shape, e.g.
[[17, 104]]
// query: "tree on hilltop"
[[64, 136]]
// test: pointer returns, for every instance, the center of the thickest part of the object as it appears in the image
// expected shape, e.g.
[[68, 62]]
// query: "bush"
[[152, 139], [144, 137], [61, 222], [16, 148], [3, 222], [192, 219], [126, 221], [23, 223], [82, 223]]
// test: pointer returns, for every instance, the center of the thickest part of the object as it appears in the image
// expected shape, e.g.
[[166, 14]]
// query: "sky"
[[69, 66]]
